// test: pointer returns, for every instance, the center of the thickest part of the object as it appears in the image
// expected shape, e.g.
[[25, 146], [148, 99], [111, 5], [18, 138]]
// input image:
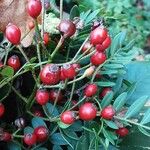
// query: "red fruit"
[[2, 109], [42, 96], [104, 45], [46, 38], [41, 133], [50, 74], [31, 25], [67, 117], [89, 71], [14, 62], [62, 76], [122, 132], [38, 113], [34, 8], [98, 58], [29, 139], [98, 76], [6, 137], [90, 90], [87, 111], [108, 113], [68, 71], [13, 34], [98, 35], [54, 94], [105, 91], [86, 46], [76, 66], [67, 27]]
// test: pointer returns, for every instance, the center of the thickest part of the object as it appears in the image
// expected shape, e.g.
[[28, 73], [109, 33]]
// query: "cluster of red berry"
[[52, 74]]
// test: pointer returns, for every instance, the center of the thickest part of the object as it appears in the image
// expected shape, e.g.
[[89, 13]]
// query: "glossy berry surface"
[[87, 111], [98, 58], [50, 74], [29, 139], [108, 113], [42, 96], [104, 45], [69, 71], [34, 8], [53, 94], [46, 38], [2, 109], [41, 133], [67, 117], [90, 90], [14, 62], [85, 48], [105, 91], [13, 34], [67, 28], [122, 131], [98, 36]]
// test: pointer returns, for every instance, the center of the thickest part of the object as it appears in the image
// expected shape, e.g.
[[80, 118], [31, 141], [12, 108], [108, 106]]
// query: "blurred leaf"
[[105, 84], [146, 118], [36, 121], [107, 99], [136, 106], [113, 66], [76, 126], [13, 146], [120, 101], [57, 147], [82, 143], [7, 72], [74, 12], [28, 130], [57, 139], [111, 124], [62, 125]]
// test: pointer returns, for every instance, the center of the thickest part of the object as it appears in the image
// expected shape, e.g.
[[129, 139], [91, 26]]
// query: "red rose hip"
[[42, 96], [87, 111], [67, 28], [34, 8], [46, 38], [108, 113], [53, 94], [68, 71], [122, 131], [85, 48], [2, 109], [98, 58], [29, 139], [98, 36], [13, 34], [41, 133], [50, 74], [90, 90], [104, 92], [67, 117], [6, 137]]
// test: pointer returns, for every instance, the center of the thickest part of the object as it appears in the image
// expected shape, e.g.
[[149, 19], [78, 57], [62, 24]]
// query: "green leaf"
[[82, 143], [7, 72], [57, 139], [51, 110], [107, 99], [76, 126], [117, 42], [41, 148], [36, 121], [74, 12], [92, 16], [109, 72], [144, 131], [129, 45], [62, 125], [105, 84], [57, 147], [28, 130], [113, 66], [83, 15], [111, 124], [13, 146], [136, 107], [120, 101], [146, 118]]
